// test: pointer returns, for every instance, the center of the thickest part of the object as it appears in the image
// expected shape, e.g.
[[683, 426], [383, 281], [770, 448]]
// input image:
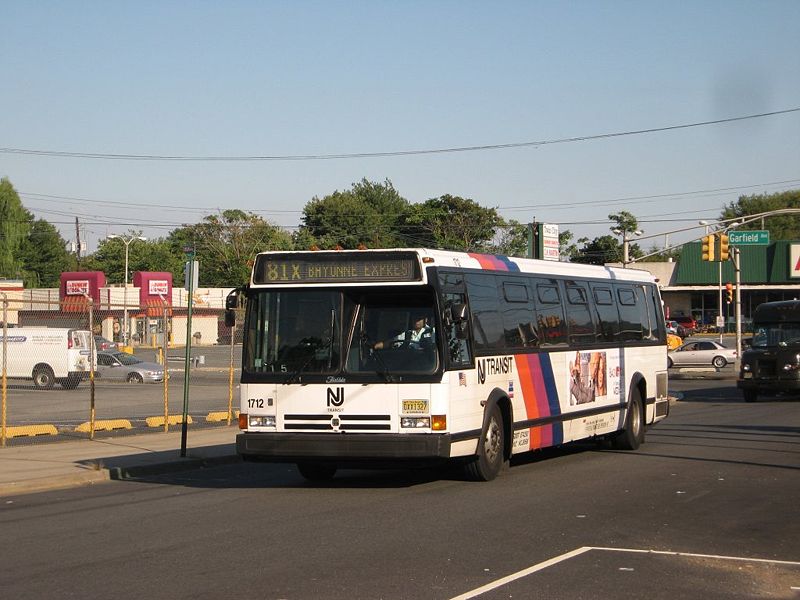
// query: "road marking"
[[519, 574], [694, 555], [578, 551]]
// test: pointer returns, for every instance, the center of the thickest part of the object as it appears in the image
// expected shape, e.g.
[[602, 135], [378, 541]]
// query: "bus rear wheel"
[[632, 435], [317, 472], [491, 449]]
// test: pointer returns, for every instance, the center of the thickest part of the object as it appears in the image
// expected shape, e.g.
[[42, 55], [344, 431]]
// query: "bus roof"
[[423, 257]]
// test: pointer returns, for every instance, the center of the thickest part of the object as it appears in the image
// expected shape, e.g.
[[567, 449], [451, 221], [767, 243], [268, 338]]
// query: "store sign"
[[77, 287], [158, 287], [794, 261], [550, 242]]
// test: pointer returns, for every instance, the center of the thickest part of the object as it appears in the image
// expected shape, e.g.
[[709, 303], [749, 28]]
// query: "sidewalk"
[[36, 468]]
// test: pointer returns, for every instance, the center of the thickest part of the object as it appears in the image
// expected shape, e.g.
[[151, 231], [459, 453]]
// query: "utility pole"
[[738, 306], [78, 243]]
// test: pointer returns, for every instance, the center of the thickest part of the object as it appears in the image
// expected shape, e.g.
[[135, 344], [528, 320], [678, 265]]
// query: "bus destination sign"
[[335, 268]]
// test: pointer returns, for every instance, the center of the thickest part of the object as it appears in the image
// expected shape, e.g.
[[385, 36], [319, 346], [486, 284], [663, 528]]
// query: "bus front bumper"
[[291, 447]]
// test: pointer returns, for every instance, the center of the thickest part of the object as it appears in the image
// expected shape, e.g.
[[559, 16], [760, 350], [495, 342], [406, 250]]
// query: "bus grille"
[[337, 422]]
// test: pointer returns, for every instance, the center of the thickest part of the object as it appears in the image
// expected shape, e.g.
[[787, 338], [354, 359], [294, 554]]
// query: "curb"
[[99, 475], [174, 466]]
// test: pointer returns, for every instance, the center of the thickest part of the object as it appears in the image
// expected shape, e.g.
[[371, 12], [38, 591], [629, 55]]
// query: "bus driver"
[[419, 336]]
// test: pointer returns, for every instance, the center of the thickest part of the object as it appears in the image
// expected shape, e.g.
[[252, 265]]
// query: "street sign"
[[749, 238]]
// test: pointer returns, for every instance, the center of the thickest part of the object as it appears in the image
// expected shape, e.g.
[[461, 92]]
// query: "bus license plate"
[[415, 406]]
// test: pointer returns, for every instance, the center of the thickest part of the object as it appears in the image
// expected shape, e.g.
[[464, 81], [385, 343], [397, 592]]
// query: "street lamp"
[[624, 234], [127, 241]]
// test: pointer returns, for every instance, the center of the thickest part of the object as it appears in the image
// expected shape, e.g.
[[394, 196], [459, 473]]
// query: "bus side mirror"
[[458, 317], [458, 313], [231, 304]]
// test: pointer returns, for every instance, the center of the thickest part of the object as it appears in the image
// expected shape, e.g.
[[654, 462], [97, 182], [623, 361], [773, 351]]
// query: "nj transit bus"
[[360, 357]]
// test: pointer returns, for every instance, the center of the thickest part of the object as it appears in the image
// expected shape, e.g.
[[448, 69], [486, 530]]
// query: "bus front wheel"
[[632, 435], [491, 449], [317, 472]]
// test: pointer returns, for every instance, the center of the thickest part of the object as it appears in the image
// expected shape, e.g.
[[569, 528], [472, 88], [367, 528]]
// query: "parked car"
[[101, 343], [688, 323], [701, 354], [113, 364], [676, 328]]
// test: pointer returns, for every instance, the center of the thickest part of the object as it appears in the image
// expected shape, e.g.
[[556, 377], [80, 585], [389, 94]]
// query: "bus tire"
[[632, 435], [317, 472], [750, 395], [43, 377], [490, 459]]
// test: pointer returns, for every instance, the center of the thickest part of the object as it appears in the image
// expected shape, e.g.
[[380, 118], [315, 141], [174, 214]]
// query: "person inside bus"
[[420, 336]]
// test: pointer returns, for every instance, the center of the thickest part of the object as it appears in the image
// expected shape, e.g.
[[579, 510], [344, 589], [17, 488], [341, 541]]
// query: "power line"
[[561, 205], [306, 157]]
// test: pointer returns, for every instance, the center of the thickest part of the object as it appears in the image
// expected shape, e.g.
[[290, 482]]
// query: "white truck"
[[48, 355]]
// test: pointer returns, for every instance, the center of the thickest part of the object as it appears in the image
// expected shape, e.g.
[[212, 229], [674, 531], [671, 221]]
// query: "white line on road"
[[577, 552]]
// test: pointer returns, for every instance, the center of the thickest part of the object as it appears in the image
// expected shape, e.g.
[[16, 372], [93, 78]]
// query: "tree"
[[44, 256], [599, 251], [226, 244], [15, 224], [454, 223], [511, 239], [663, 255], [369, 213], [781, 227], [110, 257]]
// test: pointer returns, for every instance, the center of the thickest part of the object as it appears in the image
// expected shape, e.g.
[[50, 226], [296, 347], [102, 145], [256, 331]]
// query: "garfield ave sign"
[[749, 238]]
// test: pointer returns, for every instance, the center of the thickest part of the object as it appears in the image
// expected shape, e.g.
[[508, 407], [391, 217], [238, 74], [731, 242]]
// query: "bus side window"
[[550, 325], [487, 324], [579, 317], [518, 316], [630, 315], [607, 313]]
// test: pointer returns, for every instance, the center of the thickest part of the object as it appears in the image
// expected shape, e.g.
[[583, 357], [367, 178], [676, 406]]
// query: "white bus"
[[48, 355], [517, 355]]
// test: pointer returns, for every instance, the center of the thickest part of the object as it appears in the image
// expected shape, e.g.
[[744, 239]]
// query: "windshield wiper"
[[384, 369], [312, 355]]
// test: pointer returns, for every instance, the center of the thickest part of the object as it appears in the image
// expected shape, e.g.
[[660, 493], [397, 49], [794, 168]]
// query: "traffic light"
[[728, 292], [708, 247], [723, 246]]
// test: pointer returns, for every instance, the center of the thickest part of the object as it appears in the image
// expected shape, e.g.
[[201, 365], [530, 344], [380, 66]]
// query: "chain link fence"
[[70, 370]]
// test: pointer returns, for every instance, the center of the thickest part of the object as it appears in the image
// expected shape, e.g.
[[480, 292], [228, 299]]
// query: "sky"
[[286, 79]]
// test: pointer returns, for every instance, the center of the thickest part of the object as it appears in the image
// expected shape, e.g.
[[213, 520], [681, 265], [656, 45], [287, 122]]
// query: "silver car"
[[703, 353], [112, 364]]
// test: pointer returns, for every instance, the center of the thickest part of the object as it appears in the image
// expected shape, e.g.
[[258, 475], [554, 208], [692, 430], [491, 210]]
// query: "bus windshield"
[[295, 335], [391, 336], [776, 334]]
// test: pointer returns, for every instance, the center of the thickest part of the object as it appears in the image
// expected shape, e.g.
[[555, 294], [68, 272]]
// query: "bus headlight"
[[261, 420], [746, 367], [415, 422]]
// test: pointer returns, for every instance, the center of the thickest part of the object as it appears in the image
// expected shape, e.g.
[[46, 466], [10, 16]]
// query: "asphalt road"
[[707, 508]]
